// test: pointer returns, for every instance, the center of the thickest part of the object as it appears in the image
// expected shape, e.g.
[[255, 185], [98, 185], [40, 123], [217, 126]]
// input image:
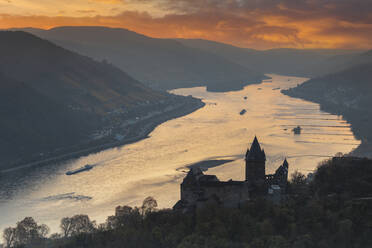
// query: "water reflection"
[[128, 174]]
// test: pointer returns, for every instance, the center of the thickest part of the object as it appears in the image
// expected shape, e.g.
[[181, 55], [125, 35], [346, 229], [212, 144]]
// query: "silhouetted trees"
[[76, 225], [148, 205], [332, 209], [27, 231]]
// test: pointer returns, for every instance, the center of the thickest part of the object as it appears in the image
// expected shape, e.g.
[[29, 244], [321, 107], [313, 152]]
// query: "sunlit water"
[[151, 167]]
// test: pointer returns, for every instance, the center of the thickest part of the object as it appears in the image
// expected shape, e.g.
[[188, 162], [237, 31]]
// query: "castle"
[[198, 189]]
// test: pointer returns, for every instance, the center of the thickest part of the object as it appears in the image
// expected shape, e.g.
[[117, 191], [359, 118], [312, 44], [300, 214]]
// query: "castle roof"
[[283, 169], [192, 176], [196, 175], [255, 153], [285, 163]]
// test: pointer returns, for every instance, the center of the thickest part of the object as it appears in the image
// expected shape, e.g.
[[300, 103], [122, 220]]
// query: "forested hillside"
[[159, 63], [347, 93]]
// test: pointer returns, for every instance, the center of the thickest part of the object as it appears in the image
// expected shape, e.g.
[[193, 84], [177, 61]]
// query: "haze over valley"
[[162, 124], [159, 63], [71, 98]]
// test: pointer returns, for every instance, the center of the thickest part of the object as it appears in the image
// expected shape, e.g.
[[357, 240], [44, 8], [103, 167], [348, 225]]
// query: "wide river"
[[155, 166]]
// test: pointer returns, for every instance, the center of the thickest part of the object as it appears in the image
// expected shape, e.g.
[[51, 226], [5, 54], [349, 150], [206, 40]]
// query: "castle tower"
[[283, 173], [286, 165], [255, 160]]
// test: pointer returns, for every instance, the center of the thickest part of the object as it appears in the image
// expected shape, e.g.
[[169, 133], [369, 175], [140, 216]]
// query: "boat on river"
[[81, 169], [297, 130], [243, 112]]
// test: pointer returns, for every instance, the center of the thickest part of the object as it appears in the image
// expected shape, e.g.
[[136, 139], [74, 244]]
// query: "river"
[[155, 166]]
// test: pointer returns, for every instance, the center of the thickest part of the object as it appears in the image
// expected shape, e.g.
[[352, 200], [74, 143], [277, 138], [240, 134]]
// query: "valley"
[[215, 136]]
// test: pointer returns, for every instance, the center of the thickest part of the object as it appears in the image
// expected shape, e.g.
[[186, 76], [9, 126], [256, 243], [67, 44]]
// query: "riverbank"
[[331, 102], [126, 175], [135, 131]]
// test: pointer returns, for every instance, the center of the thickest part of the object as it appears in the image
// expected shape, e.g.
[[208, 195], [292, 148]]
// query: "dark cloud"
[[348, 10]]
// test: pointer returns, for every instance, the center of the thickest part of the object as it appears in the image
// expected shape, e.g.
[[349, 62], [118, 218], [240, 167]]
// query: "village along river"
[[155, 166]]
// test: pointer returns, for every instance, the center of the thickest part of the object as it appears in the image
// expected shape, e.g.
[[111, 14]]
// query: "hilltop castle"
[[198, 189]]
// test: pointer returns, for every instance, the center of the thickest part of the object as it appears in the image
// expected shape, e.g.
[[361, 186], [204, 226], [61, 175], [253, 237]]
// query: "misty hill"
[[70, 79], [346, 93], [160, 63], [296, 62], [51, 97], [343, 62]]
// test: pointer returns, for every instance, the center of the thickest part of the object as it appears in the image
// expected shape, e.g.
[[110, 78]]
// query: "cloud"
[[108, 1], [256, 23], [88, 11]]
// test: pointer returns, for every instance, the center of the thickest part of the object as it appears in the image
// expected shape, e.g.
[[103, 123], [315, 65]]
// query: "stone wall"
[[229, 194]]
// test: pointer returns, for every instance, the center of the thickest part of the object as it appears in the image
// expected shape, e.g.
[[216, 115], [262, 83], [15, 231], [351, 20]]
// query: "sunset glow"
[[256, 24]]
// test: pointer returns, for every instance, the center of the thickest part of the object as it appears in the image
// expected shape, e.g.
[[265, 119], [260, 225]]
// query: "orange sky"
[[259, 24]]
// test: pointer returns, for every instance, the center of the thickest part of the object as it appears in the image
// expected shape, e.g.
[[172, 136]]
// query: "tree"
[[148, 205], [124, 216], [66, 226], [76, 225], [303, 241], [123, 210], [27, 231], [55, 236], [9, 236], [297, 178], [339, 155], [43, 230], [266, 227]]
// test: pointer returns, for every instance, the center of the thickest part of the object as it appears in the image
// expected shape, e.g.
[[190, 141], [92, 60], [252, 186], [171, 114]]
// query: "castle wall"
[[198, 190], [190, 193], [229, 194]]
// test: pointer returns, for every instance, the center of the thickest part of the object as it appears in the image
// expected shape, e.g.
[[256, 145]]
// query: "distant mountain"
[[160, 63], [347, 93], [341, 62], [51, 97], [68, 78], [297, 62]]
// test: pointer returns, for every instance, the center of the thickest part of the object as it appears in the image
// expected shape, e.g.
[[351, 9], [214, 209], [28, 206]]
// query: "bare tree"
[[82, 224], [148, 205], [298, 178], [76, 225], [9, 236], [26, 231], [66, 226]]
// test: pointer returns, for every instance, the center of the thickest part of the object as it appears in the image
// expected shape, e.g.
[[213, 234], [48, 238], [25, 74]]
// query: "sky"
[[258, 24]]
